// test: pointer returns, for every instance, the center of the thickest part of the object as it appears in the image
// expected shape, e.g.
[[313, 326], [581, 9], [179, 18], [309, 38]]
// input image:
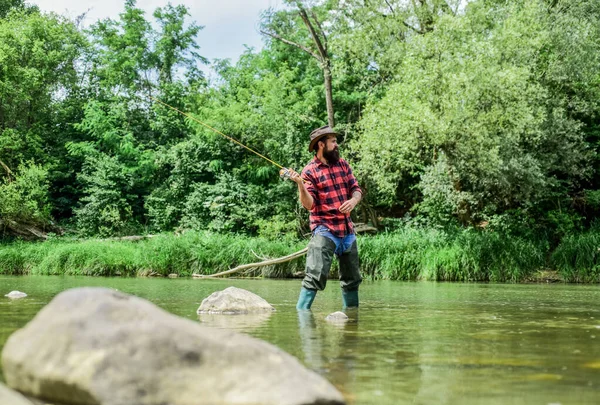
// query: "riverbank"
[[406, 254]]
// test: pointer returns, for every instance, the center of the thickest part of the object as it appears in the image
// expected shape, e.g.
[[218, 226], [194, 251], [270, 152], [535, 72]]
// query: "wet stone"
[[16, 295], [337, 317]]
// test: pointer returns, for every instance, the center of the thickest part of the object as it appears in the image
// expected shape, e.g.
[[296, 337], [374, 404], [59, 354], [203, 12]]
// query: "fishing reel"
[[284, 174]]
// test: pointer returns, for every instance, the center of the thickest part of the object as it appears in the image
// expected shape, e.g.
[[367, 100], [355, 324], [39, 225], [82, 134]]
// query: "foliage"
[[477, 99], [475, 122], [105, 208], [25, 198]]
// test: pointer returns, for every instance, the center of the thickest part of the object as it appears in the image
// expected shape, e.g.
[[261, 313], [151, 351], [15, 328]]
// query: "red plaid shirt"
[[330, 186]]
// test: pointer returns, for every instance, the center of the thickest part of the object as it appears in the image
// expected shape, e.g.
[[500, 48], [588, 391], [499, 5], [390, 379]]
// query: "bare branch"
[[320, 47], [390, 7], [314, 16], [270, 262], [417, 30], [446, 8], [8, 171], [286, 41]]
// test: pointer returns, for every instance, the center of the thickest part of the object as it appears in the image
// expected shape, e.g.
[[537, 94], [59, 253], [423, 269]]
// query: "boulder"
[[10, 397], [233, 300], [96, 346], [16, 294]]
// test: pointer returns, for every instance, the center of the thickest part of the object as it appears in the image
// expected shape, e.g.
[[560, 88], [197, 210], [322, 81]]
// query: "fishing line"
[[284, 172]]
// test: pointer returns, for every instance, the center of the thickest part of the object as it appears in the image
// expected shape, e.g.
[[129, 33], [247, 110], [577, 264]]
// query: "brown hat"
[[317, 134]]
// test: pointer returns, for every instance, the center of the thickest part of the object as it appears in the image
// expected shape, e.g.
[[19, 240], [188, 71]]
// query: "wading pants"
[[321, 249]]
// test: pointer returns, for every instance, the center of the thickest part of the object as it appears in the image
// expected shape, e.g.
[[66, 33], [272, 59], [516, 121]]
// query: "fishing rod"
[[284, 173]]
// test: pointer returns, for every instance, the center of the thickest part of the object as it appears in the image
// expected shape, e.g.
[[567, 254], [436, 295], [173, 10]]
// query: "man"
[[329, 190]]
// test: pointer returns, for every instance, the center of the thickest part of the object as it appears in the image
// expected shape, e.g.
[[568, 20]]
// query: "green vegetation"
[[406, 254], [475, 122], [184, 255]]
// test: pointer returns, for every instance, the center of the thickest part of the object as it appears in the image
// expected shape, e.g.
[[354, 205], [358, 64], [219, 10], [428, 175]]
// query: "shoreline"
[[407, 254]]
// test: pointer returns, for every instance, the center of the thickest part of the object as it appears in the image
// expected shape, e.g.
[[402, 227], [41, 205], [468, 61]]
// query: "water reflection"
[[239, 322], [329, 349]]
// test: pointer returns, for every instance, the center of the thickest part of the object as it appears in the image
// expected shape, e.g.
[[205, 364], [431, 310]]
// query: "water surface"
[[410, 343]]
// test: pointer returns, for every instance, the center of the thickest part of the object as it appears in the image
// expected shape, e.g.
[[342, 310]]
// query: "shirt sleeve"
[[352, 183], [309, 183]]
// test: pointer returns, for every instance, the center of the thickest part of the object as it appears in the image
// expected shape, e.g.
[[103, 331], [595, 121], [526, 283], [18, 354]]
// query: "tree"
[[320, 51], [129, 63], [472, 109]]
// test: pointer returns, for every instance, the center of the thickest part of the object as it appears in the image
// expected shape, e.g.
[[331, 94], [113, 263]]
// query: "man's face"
[[330, 149]]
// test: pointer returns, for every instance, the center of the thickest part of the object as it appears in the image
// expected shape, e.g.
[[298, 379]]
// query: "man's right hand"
[[295, 177]]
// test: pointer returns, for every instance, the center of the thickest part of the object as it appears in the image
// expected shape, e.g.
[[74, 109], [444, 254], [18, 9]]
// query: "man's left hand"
[[348, 206]]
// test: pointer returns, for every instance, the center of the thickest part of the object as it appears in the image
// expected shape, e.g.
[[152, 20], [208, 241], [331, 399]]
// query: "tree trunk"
[[328, 93]]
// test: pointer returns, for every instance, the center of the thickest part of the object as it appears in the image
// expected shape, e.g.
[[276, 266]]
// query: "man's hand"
[[295, 177], [349, 205]]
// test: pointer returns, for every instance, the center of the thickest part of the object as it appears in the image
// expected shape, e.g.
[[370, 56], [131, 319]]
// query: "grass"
[[405, 254], [193, 252], [577, 257], [464, 255]]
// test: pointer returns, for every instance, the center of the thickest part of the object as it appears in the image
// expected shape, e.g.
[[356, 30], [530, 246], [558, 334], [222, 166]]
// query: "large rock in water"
[[233, 300], [93, 346], [10, 397]]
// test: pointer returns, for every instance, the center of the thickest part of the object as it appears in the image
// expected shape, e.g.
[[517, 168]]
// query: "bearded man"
[[329, 190]]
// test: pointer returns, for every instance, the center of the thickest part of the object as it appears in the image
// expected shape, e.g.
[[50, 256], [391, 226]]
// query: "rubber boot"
[[350, 299], [306, 299]]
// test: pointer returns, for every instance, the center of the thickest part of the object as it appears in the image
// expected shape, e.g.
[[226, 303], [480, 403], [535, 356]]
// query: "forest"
[[475, 120]]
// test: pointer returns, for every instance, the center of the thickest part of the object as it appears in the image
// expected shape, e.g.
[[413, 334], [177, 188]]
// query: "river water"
[[410, 343]]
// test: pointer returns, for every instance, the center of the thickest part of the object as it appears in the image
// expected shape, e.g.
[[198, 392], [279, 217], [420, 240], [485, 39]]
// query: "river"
[[410, 343]]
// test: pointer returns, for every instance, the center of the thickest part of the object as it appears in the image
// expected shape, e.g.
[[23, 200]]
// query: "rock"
[[10, 397], [100, 346], [233, 300], [173, 275], [16, 294], [337, 317]]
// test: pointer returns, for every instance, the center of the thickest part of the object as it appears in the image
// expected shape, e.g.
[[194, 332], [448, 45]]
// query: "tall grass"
[[577, 257], [462, 255], [193, 252], [405, 254]]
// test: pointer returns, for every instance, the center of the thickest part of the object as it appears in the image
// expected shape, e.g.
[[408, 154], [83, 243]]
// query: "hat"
[[317, 134]]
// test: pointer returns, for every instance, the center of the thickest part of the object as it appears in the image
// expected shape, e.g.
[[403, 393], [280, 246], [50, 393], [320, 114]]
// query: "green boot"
[[306, 299], [350, 299]]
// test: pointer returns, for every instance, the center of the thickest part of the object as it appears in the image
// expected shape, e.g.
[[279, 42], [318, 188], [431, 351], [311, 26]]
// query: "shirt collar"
[[319, 163]]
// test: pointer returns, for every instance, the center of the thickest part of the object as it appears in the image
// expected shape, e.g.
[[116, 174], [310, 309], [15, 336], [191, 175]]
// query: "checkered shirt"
[[330, 186]]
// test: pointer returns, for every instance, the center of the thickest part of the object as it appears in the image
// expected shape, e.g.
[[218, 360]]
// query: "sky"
[[228, 24]]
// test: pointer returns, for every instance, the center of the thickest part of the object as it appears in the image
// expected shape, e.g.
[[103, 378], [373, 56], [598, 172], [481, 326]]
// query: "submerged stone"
[[233, 300], [100, 346], [337, 317], [16, 294]]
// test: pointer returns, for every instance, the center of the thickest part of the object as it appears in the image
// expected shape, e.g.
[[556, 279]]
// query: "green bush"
[[25, 199]]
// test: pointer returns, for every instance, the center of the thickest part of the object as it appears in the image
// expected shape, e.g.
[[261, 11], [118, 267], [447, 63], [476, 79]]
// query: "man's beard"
[[332, 156]]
